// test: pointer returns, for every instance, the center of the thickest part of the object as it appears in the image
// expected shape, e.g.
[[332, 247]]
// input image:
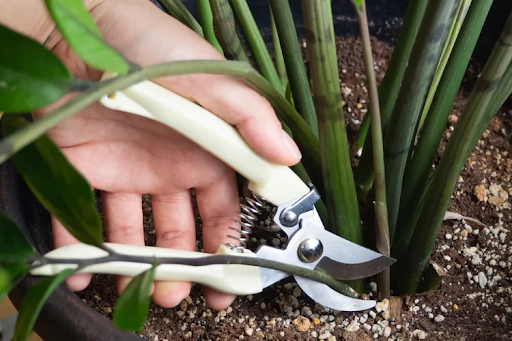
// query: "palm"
[[125, 156]]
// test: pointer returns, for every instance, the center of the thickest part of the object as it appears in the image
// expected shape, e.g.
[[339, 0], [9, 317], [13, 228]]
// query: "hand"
[[126, 156]]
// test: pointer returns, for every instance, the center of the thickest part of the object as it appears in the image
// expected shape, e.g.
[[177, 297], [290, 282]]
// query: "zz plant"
[[399, 137]]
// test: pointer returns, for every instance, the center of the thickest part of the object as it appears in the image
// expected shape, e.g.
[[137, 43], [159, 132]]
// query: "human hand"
[[125, 156]]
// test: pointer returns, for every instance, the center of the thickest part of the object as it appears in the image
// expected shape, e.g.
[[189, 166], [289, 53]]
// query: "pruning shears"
[[310, 245]]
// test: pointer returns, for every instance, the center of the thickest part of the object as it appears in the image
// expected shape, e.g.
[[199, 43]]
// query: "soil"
[[474, 301]]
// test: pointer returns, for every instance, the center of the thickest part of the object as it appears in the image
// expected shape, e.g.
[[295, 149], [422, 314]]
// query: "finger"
[[250, 112], [175, 229], [61, 237], [123, 223], [218, 206]]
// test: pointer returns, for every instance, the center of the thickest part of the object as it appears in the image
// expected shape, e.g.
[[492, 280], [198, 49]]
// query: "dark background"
[[384, 17]]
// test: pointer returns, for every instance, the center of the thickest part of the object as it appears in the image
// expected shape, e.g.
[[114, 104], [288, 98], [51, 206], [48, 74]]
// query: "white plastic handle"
[[277, 184], [232, 279]]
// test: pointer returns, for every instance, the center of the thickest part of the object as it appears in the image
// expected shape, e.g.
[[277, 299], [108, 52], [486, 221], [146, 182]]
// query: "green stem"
[[295, 69], [257, 45], [177, 10], [418, 170], [470, 127], [420, 70], [278, 52], [315, 275], [225, 28], [206, 18], [388, 91], [339, 186], [381, 216], [306, 141], [455, 28]]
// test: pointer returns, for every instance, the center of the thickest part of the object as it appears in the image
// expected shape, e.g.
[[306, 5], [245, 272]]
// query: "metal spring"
[[249, 212]]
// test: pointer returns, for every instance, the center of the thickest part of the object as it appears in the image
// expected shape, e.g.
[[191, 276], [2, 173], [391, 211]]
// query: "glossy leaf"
[[14, 245], [33, 303], [10, 275], [78, 28], [31, 76], [133, 304], [59, 187]]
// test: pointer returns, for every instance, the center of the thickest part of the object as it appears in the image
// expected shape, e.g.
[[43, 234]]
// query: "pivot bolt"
[[310, 250]]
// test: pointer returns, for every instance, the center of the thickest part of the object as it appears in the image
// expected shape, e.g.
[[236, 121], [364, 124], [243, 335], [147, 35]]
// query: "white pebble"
[[248, 330], [439, 318], [387, 331], [503, 236], [448, 236], [353, 327], [443, 309], [448, 258], [482, 280]]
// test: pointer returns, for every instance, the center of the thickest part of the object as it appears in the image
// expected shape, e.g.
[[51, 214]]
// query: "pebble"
[[448, 236], [297, 292], [331, 338], [387, 331], [443, 309], [482, 280], [353, 327], [248, 330], [419, 334], [263, 305], [313, 334], [382, 306], [325, 335], [301, 323], [439, 318]]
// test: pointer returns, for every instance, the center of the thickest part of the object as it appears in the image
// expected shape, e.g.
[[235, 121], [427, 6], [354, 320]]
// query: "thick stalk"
[[454, 31], [418, 169], [278, 52], [388, 91], [225, 28], [470, 127], [381, 215], [340, 195], [306, 141], [420, 70], [178, 11], [206, 18], [256, 44], [295, 69]]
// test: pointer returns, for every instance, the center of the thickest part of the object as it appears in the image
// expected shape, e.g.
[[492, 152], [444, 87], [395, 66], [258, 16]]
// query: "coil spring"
[[249, 212]]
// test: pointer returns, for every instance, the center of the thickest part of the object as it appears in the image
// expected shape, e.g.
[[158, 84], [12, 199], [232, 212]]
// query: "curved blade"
[[347, 272], [328, 297]]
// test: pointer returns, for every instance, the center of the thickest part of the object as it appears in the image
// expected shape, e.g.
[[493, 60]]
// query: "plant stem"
[[225, 28], [455, 28], [305, 139], [420, 70], [419, 168], [206, 18], [315, 275], [339, 186], [257, 45], [295, 69], [381, 215], [177, 10], [388, 92], [470, 127], [278, 51]]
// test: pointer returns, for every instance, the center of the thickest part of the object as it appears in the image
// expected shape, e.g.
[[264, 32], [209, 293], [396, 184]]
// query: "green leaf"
[[78, 28], [14, 245], [33, 303], [10, 275], [132, 307], [31, 77], [59, 187]]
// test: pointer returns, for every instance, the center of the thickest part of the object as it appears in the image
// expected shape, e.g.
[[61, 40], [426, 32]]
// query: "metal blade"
[[328, 297], [347, 272]]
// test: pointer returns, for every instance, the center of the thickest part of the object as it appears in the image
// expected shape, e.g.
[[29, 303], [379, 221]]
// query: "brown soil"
[[461, 309]]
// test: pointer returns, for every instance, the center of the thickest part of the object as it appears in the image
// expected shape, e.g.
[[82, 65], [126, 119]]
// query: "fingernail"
[[291, 146]]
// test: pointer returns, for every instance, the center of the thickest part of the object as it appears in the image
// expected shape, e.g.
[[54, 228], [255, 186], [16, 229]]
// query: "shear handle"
[[276, 183]]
